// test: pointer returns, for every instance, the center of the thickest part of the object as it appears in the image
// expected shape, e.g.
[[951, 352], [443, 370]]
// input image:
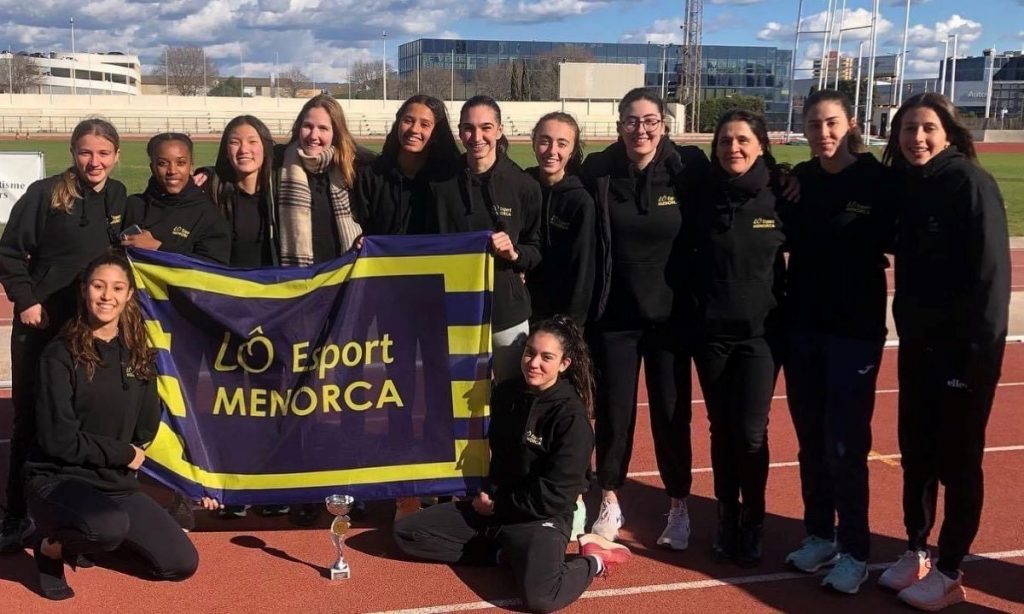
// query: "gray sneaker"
[[847, 575], [813, 554]]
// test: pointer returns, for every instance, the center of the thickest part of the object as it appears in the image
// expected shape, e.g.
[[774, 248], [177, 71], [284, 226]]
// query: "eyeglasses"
[[630, 124]]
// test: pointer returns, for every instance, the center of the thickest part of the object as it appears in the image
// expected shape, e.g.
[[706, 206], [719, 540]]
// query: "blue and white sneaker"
[[847, 575], [813, 554]]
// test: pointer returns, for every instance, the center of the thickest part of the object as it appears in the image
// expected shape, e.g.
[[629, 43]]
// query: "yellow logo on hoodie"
[[180, 232], [666, 200], [763, 223]]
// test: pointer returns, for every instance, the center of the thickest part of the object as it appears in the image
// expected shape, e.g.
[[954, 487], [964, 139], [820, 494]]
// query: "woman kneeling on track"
[[97, 409], [541, 442], [952, 312]]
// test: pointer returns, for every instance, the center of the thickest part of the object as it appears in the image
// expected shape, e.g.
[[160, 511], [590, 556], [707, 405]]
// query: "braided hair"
[[574, 347]]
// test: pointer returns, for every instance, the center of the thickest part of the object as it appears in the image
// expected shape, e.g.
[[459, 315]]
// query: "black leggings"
[[617, 356], [535, 551], [738, 379], [942, 421], [86, 520]]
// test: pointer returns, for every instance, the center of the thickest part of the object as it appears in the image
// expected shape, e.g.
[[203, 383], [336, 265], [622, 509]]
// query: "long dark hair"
[[576, 157], [66, 191], [78, 334], [757, 125], [226, 173], [581, 369], [854, 139], [441, 149], [482, 100], [956, 132], [641, 93]]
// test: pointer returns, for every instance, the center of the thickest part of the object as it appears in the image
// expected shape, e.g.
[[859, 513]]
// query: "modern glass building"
[[972, 83], [727, 70]]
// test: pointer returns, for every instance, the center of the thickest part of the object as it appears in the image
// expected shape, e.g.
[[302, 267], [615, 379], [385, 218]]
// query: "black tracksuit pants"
[[86, 520], [830, 384], [617, 356], [535, 551], [27, 345], [738, 380], [942, 425]]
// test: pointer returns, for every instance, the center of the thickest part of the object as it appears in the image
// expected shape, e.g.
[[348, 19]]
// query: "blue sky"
[[323, 37]]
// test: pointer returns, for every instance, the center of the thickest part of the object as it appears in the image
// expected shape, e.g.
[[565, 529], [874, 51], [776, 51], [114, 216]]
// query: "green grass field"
[[134, 172]]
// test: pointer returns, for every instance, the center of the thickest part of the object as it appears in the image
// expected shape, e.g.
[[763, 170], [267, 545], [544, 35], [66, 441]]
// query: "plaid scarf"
[[296, 205]]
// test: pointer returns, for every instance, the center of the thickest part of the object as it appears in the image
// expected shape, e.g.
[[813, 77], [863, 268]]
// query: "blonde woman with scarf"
[[316, 177]]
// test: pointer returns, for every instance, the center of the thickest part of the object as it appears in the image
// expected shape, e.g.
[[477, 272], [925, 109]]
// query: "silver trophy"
[[339, 506]]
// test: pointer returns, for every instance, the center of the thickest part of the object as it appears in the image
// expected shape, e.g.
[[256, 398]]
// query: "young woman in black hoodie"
[[951, 309], [835, 306], [564, 280], [735, 287], [541, 442], [98, 409], [641, 186], [393, 197], [487, 191], [54, 231], [173, 214]]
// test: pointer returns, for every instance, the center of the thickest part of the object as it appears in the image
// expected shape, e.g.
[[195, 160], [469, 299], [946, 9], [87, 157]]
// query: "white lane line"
[[783, 464], [647, 589]]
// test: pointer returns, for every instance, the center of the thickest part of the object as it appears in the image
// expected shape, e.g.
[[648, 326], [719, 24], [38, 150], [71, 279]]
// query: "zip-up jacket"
[[389, 203], [85, 428], [953, 260], [738, 265], [504, 198], [540, 452], [837, 236], [564, 281], [639, 215], [226, 197], [43, 250], [184, 223]]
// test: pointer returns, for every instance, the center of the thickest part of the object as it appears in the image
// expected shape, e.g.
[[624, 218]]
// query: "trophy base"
[[343, 573]]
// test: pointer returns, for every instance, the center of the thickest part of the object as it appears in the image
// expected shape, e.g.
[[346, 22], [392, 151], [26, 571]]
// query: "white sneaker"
[[677, 531], [609, 520], [935, 591], [908, 569], [847, 575], [813, 554]]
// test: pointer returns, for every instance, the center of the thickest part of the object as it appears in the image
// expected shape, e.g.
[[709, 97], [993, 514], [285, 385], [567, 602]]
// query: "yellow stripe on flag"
[[471, 399], [169, 390], [158, 338]]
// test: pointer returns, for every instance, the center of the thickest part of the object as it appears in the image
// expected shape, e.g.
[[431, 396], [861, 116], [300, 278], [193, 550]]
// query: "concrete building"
[[112, 73], [1005, 70]]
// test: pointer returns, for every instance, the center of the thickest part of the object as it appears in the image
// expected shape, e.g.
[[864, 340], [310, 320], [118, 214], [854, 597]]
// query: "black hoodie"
[[639, 218], [837, 236], [85, 428], [564, 281], [738, 265], [502, 199], [953, 260], [43, 250], [252, 218], [540, 452], [389, 203], [184, 223]]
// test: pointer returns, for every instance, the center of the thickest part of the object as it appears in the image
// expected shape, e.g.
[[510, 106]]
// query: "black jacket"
[[85, 428], [226, 196], [540, 452], [502, 199], [42, 251], [837, 236], [953, 260], [639, 221], [184, 223], [564, 280], [389, 203], [738, 265]]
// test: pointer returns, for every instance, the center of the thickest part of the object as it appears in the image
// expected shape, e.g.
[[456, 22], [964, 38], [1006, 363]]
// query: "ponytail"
[[66, 192], [581, 369]]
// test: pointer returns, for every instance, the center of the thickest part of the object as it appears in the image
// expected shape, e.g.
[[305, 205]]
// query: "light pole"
[[901, 78], [792, 69], [856, 87], [942, 69], [384, 63], [839, 44], [869, 95], [952, 71], [74, 85]]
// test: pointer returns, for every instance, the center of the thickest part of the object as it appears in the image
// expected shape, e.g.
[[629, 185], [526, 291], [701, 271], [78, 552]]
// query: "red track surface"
[[265, 565]]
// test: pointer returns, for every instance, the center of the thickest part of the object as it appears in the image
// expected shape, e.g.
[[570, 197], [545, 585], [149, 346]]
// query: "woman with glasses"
[[640, 184]]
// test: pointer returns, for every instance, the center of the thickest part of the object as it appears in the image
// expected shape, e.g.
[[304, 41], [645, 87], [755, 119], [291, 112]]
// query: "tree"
[[182, 68], [230, 87], [292, 80], [539, 79], [495, 80], [713, 108], [367, 79], [20, 75]]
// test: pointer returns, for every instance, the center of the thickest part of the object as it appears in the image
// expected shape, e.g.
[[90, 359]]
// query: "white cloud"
[[662, 31], [852, 18], [736, 2], [540, 11]]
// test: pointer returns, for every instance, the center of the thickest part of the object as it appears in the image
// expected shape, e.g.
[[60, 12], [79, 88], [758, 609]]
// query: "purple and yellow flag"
[[366, 375]]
